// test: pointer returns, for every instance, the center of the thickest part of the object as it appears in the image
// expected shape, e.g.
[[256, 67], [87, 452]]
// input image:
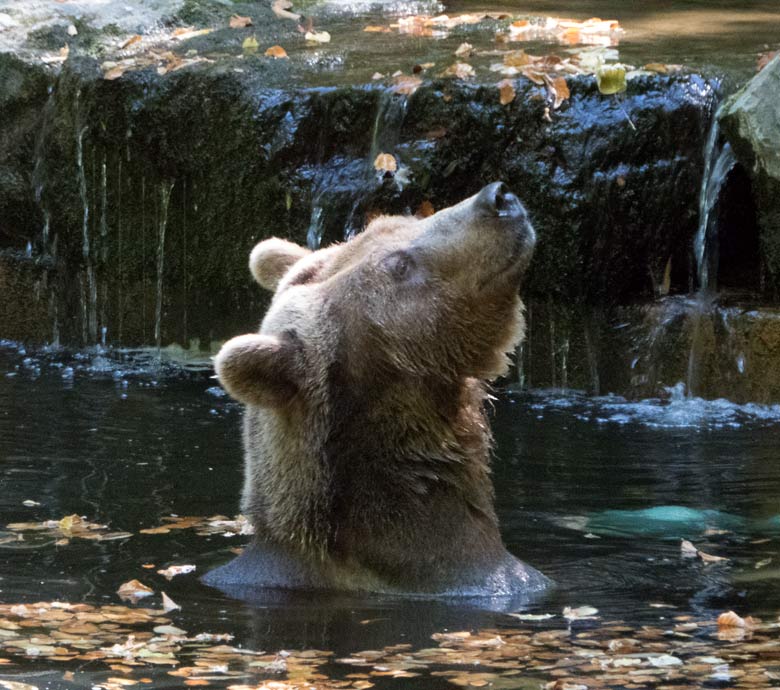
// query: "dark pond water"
[[126, 442]]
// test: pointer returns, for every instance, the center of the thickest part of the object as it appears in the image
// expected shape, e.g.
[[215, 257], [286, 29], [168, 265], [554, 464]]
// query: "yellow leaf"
[[516, 58], [506, 90], [378, 29], [250, 45], [385, 162], [276, 52], [239, 22], [611, 79], [67, 523], [317, 36]]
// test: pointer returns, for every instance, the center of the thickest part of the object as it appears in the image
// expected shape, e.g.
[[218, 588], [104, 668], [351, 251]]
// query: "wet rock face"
[[155, 187], [751, 122]]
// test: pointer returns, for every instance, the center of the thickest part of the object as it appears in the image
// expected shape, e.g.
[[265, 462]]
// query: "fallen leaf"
[[174, 570], [276, 52], [611, 79], [281, 9], [688, 550], [405, 84], [317, 36], [250, 45], [729, 619], [424, 210], [580, 613], [506, 91], [134, 591], [169, 604], [385, 162], [559, 90], [239, 22], [762, 563], [532, 616], [464, 50], [129, 41], [30, 504], [516, 58], [709, 558], [378, 30], [459, 70]]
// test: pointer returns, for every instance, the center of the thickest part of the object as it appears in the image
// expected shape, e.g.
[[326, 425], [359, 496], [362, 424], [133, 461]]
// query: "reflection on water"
[[579, 483]]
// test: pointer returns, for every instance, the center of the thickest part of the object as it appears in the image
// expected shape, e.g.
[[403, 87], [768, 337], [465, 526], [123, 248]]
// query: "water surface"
[[127, 442]]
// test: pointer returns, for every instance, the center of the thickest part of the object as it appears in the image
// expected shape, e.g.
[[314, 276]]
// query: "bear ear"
[[272, 258], [258, 369]]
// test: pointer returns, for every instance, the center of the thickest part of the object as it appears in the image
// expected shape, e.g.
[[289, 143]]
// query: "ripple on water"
[[677, 411]]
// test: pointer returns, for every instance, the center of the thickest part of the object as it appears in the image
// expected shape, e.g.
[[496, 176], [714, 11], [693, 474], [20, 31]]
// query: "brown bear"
[[367, 445]]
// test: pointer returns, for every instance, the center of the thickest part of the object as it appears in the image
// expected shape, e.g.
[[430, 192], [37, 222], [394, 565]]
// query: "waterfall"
[[719, 160], [89, 309], [165, 197]]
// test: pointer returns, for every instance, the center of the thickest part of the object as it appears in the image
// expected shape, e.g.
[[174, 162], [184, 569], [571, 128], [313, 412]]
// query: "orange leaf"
[[127, 43], [239, 22], [425, 209], [506, 90], [276, 52], [385, 162], [378, 29], [559, 90]]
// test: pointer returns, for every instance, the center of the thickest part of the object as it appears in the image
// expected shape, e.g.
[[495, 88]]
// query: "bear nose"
[[497, 200]]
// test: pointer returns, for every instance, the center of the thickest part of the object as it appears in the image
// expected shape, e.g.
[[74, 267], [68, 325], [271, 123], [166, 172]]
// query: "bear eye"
[[400, 265]]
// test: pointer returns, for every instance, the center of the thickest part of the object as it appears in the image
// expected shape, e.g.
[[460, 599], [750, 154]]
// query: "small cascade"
[[89, 293], [165, 197], [719, 160], [316, 224], [390, 115]]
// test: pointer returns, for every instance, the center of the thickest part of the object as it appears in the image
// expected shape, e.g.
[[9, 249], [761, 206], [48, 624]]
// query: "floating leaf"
[[135, 38], [729, 619], [459, 70], [250, 45], [688, 550], [276, 52], [378, 30], [580, 613], [134, 591], [317, 37], [611, 79], [516, 58], [169, 604], [239, 22], [174, 570], [386, 163], [506, 91], [405, 84], [464, 50], [30, 504]]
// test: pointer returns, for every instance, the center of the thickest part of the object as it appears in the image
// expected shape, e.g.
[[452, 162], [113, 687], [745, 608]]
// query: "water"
[[126, 441]]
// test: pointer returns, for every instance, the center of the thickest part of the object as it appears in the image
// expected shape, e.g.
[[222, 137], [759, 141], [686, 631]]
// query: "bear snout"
[[497, 200]]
